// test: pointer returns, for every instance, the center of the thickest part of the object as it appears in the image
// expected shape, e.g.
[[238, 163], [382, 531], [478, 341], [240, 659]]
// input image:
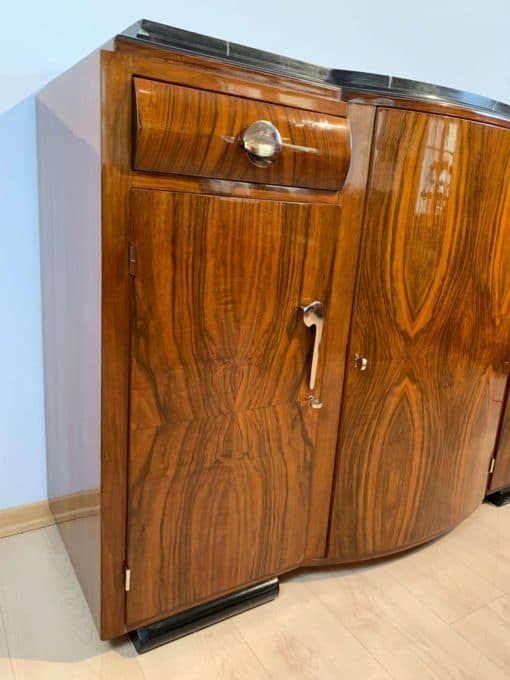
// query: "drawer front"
[[187, 131]]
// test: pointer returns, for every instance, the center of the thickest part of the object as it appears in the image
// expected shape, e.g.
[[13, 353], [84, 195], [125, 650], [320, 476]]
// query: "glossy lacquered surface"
[[221, 435], [187, 131], [419, 426], [119, 179], [151, 33], [215, 472], [501, 476], [194, 619]]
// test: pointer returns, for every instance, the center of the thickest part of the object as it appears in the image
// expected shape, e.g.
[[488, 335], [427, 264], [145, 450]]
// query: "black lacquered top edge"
[[180, 40], [176, 39]]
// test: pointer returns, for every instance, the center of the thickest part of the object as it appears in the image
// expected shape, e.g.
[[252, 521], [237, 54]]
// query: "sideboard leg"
[[499, 498], [191, 620]]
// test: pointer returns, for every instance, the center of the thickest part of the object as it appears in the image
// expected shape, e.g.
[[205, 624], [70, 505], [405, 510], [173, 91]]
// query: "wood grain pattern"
[[419, 426], [219, 76], [428, 106], [235, 189], [415, 445], [115, 301], [434, 271], [118, 178], [196, 132], [352, 200], [421, 312], [312, 96], [222, 440], [500, 479]]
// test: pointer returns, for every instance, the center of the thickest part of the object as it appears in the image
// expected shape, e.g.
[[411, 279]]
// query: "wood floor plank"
[[215, 653], [6, 670], [492, 516], [409, 640], [297, 637], [489, 630], [441, 582], [482, 544], [385, 621], [50, 632]]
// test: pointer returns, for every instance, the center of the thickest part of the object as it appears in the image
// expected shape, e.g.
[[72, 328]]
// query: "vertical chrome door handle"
[[313, 315]]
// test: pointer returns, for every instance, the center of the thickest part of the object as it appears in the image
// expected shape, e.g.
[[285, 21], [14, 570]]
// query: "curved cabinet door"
[[500, 480], [222, 440], [432, 320]]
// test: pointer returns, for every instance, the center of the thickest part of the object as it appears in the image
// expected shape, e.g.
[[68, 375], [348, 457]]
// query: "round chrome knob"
[[361, 363], [262, 143]]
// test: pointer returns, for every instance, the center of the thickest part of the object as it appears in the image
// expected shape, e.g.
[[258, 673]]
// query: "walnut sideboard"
[[276, 303]]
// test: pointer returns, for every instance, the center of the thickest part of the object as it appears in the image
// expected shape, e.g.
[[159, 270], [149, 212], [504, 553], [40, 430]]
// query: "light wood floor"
[[442, 611]]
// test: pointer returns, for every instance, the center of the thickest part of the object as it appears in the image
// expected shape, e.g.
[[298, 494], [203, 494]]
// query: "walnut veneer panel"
[[435, 269], [190, 131], [222, 440], [418, 427], [501, 477], [118, 71]]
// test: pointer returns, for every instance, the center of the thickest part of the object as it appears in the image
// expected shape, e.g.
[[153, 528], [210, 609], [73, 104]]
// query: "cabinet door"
[[431, 317], [501, 478], [221, 437]]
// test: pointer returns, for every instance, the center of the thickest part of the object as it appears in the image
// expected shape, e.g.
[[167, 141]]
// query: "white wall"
[[460, 43], [22, 464]]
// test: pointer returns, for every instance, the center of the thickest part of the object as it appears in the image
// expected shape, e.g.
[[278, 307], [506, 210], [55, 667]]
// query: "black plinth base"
[[191, 620], [499, 498]]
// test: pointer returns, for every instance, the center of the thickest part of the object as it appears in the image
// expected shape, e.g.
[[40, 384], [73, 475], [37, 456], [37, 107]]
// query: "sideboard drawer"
[[187, 131]]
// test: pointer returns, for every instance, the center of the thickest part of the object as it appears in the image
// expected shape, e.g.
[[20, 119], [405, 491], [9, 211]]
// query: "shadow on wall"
[[22, 448]]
